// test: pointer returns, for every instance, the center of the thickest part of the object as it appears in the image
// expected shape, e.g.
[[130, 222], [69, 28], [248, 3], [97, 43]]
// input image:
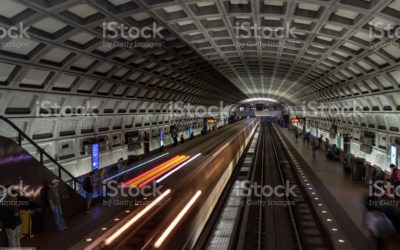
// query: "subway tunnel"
[[200, 101]]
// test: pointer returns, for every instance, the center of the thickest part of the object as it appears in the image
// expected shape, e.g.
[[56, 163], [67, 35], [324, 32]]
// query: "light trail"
[[177, 219]]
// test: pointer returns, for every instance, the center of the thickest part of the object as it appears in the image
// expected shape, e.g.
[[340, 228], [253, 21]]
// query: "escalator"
[[27, 167]]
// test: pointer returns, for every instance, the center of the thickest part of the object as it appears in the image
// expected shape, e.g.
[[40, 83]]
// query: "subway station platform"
[[343, 196], [107, 212], [155, 141]]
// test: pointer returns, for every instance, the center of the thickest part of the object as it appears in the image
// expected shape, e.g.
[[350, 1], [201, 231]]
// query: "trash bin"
[[359, 170]]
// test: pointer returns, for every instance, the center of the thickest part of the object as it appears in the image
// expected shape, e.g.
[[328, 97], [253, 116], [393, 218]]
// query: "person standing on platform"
[[10, 216], [296, 134], [320, 141], [174, 134], [146, 142], [88, 188], [205, 125], [314, 146], [53, 197], [120, 165], [326, 144], [191, 132], [395, 176]]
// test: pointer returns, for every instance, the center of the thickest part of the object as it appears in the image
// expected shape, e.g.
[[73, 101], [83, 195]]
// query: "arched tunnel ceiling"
[[331, 45], [205, 57], [66, 47]]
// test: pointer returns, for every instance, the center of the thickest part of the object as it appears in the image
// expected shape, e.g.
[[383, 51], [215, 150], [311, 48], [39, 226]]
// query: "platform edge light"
[[177, 219], [134, 219]]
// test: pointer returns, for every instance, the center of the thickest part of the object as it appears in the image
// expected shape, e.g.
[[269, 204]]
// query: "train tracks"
[[279, 219]]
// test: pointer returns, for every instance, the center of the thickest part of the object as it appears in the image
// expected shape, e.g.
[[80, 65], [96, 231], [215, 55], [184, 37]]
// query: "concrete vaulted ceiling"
[[205, 56], [332, 58], [331, 46], [69, 55]]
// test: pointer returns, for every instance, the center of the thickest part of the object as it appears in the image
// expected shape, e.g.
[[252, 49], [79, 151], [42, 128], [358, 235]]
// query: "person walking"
[[326, 144], [314, 147], [10, 216], [88, 188], [53, 197], [379, 225]]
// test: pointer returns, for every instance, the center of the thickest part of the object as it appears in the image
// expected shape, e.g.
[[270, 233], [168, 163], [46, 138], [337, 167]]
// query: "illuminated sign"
[[210, 120], [393, 155], [296, 120], [95, 157]]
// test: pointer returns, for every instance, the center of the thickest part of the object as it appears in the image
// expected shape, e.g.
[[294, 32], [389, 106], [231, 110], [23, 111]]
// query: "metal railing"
[[44, 158]]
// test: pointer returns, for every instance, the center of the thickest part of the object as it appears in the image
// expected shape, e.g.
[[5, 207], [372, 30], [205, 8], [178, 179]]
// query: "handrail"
[[41, 151]]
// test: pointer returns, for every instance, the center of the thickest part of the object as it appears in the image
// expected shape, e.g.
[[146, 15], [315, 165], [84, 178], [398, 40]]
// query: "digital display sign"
[[95, 157], [393, 154], [296, 120], [211, 120]]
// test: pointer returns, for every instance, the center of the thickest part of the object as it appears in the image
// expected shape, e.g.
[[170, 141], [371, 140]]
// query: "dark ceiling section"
[[66, 45]]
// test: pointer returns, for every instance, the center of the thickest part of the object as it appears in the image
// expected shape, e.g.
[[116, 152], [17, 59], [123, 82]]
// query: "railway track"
[[279, 222]]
